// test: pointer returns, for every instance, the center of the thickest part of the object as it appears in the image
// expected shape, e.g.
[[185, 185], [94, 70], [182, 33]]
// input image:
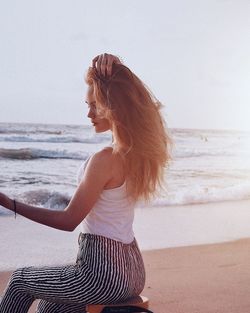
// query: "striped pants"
[[106, 271]]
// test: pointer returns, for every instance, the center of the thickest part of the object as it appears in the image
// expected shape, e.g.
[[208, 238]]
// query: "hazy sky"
[[193, 54]]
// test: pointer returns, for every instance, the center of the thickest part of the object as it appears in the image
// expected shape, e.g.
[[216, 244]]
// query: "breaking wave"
[[31, 154]]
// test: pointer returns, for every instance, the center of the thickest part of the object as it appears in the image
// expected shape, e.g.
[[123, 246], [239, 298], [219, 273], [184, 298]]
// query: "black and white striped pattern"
[[106, 271]]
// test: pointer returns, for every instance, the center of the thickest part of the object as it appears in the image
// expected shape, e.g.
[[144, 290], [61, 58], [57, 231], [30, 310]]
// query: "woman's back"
[[113, 214]]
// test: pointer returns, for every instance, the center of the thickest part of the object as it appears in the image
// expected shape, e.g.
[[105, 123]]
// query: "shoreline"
[[201, 278], [25, 243]]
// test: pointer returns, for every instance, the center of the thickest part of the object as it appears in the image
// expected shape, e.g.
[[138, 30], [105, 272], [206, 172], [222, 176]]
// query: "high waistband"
[[103, 248], [87, 236]]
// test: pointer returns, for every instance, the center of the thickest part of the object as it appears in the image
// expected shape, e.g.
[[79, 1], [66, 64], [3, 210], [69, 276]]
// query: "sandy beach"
[[196, 256], [196, 279]]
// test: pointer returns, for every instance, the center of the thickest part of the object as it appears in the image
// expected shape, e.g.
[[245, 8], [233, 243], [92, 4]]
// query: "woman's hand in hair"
[[104, 62]]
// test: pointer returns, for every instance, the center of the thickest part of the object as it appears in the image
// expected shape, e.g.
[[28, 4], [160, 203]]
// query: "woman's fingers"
[[110, 61], [103, 65], [99, 62], [94, 60], [104, 62]]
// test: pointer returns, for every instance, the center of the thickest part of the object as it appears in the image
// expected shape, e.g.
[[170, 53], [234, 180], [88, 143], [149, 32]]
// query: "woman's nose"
[[91, 114]]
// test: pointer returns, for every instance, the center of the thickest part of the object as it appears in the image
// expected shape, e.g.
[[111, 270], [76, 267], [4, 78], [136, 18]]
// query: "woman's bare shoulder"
[[100, 163], [103, 156], [109, 165], [113, 162]]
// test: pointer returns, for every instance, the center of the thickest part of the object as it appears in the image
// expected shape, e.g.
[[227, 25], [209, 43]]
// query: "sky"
[[193, 54]]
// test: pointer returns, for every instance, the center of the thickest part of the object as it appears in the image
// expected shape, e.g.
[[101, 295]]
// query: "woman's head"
[[133, 115], [123, 100]]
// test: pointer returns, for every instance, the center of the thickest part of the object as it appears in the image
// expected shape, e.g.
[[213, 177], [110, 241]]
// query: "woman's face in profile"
[[100, 123]]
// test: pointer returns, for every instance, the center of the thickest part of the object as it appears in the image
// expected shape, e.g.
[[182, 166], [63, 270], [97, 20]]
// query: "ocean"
[[39, 164]]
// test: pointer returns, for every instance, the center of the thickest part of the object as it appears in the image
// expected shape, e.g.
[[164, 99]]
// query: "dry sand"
[[211, 278]]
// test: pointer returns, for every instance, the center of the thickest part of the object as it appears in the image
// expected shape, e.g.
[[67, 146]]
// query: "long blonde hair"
[[138, 128]]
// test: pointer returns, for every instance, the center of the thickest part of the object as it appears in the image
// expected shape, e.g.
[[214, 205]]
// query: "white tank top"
[[112, 215]]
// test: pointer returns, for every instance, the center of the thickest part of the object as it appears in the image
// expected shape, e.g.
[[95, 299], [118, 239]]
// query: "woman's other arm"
[[96, 175]]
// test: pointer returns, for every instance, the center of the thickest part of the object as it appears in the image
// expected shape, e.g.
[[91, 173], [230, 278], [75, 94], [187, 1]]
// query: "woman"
[[109, 266]]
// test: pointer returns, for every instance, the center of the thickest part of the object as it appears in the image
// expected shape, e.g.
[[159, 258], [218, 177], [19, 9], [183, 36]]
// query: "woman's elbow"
[[69, 227], [68, 223]]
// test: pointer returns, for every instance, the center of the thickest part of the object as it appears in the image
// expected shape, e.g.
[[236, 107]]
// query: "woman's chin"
[[100, 129]]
